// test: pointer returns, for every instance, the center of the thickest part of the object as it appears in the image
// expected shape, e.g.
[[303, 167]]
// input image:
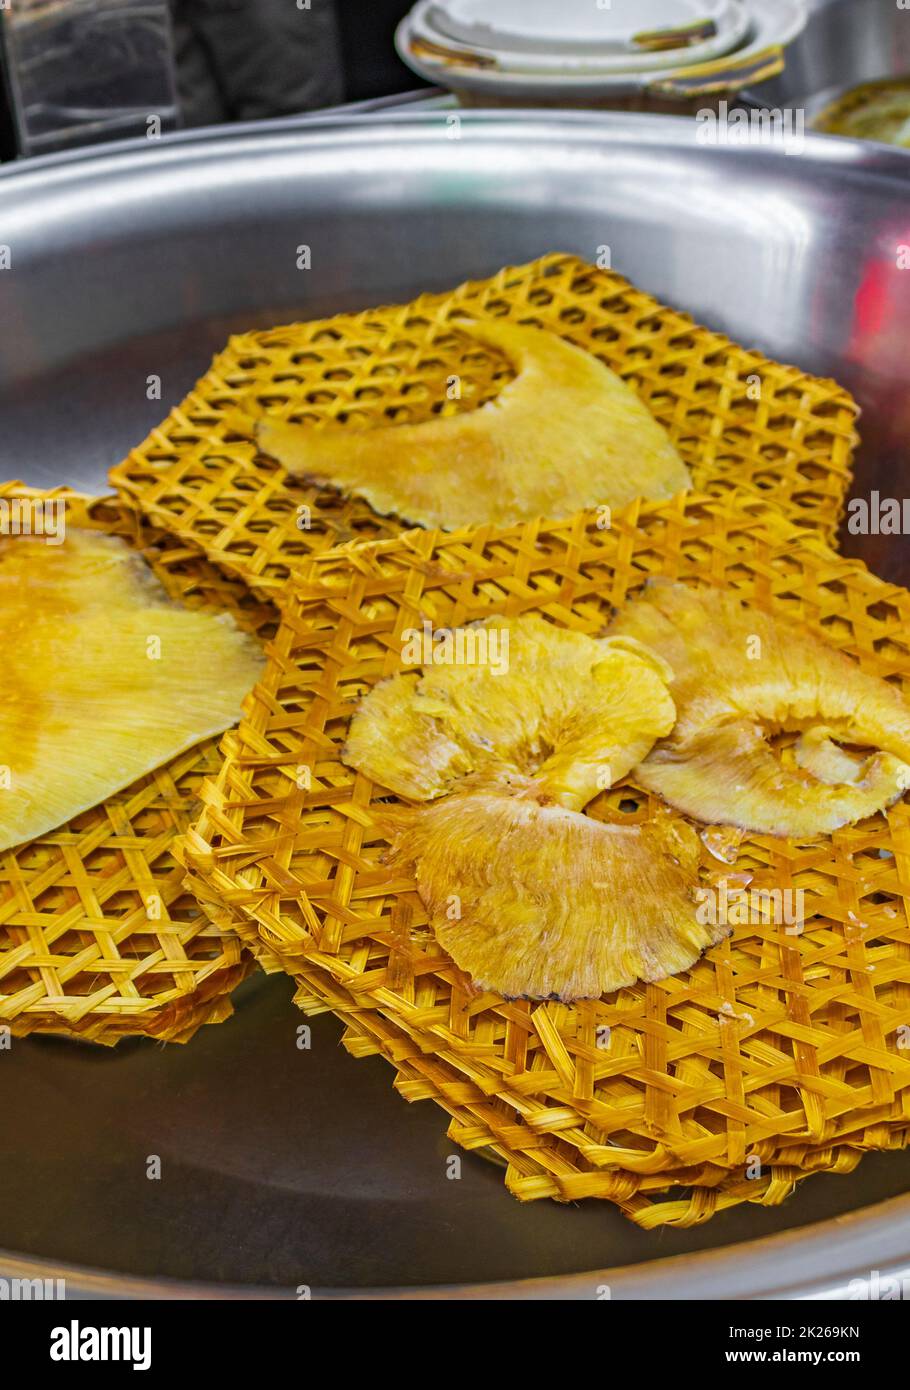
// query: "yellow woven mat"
[[491, 1122], [400, 1036], [682, 1197], [536, 1165], [736, 417], [98, 936], [770, 1038]]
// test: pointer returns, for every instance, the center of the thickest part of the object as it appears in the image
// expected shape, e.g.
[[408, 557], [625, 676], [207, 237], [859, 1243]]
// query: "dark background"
[[371, 66]]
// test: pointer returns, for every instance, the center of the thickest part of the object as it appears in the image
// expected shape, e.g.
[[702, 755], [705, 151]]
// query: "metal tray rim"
[[524, 124], [778, 1267]]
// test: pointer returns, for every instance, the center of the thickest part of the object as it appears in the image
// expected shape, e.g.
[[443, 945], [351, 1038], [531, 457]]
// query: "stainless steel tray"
[[283, 1167]]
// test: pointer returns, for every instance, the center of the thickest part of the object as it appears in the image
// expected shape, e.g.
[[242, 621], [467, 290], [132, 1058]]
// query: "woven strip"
[[737, 418], [770, 1040], [99, 938]]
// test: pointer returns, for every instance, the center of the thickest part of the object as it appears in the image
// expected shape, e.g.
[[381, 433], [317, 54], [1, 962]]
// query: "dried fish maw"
[[730, 772], [395, 743], [818, 751], [565, 434], [103, 677], [571, 711], [741, 677], [534, 900]]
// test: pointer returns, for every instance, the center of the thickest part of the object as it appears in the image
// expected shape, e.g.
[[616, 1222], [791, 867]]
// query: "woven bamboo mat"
[[578, 1127], [680, 1197], [542, 1164], [770, 1040], [99, 938], [737, 418]]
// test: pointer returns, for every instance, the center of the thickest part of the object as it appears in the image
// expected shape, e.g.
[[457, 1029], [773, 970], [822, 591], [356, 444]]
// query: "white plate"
[[534, 34], [771, 22]]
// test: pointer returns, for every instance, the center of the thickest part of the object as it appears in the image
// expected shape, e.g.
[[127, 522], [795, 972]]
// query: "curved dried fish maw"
[[574, 712], [730, 772], [565, 434], [611, 728], [741, 677], [818, 751], [103, 677], [533, 900]]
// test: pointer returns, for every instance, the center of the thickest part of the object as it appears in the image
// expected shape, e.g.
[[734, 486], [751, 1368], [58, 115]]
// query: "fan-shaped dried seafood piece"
[[103, 677], [741, 677], [531, 899], [525, 699], [565, 434]]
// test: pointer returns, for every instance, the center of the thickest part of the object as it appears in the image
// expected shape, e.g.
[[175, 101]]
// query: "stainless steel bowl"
[[289, 1167], [845, 43]]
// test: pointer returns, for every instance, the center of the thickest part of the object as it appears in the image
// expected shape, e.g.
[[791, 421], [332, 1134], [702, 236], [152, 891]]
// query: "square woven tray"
[[200, 476], [768, 1043], [99, 938]]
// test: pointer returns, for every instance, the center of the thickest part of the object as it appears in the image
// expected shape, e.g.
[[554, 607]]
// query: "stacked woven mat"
[[99, 937], [777, 1054]]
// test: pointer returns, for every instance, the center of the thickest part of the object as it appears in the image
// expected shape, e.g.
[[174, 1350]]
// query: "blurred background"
[[80, 71], [235, 59]]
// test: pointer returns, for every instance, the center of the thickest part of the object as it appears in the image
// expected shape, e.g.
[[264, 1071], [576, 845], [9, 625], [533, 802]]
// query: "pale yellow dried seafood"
[[103, 677], [741, 679], [529, 896], [564, 435], [534, 900], [519, 696]]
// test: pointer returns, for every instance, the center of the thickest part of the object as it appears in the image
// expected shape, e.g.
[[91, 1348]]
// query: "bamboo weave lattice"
[[772, 1044], [736, 417], [488, 1119], [99, 937]]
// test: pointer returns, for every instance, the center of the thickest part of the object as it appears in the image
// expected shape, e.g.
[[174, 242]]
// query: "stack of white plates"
[[549, 50]]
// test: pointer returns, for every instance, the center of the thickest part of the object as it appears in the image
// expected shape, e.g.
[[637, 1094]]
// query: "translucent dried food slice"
[[103, 677], [565, 434], [743, 677], [519, 697], [533, 900]]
